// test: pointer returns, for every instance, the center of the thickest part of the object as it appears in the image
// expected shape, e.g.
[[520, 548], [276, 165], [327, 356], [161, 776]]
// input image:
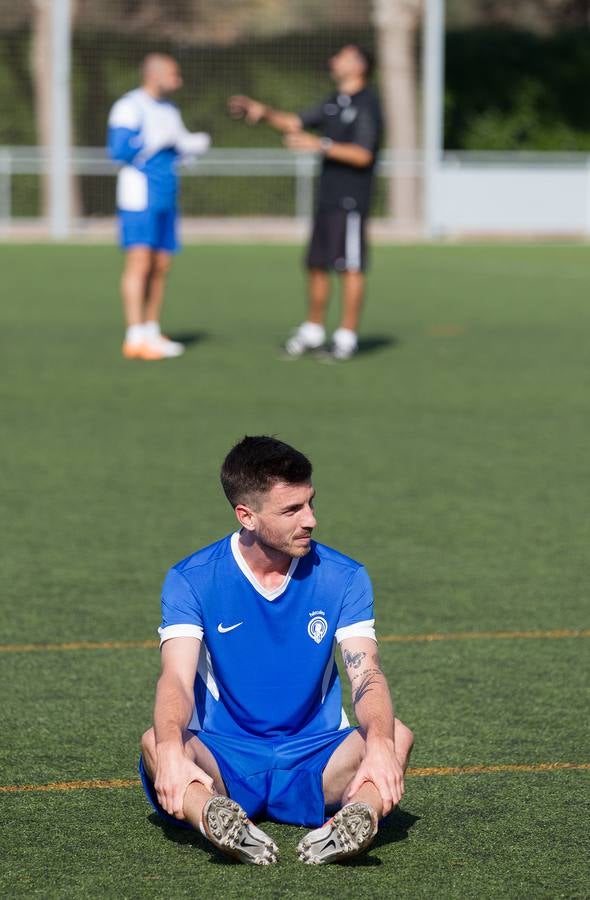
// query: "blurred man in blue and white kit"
[[146, 133]]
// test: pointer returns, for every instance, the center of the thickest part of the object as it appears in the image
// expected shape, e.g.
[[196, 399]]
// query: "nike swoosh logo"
[[331, 843], [244, 842], [223, 630]]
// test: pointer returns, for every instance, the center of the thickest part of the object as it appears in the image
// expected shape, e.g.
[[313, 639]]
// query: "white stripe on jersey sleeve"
[[174, 631], [126, 113], [364, 629]]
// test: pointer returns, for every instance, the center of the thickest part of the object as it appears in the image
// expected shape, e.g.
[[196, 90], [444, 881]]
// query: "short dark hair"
[[256, 463], [368, 57]]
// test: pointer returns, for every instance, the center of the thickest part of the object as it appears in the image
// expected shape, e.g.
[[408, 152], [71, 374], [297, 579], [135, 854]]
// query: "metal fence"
[[473, 193], [291, 195]]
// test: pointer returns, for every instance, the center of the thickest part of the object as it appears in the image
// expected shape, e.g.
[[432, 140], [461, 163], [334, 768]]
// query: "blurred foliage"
[[505, 90], [514, 90]]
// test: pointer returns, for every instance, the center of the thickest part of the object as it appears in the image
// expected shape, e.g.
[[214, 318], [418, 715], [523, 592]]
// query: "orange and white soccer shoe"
[[346, 834], [229, 829], [156, 348]]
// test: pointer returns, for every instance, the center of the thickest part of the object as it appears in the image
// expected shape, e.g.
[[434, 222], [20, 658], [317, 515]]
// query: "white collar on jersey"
[[245, 568]]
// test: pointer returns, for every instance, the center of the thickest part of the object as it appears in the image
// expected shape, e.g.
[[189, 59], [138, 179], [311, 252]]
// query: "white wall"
[[503, 198]]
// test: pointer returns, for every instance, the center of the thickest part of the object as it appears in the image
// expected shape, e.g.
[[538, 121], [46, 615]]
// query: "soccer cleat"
[[171, 349], [348, 833], [132, 350], [342, 353], [230, 830], [302, 341], [154, 349]]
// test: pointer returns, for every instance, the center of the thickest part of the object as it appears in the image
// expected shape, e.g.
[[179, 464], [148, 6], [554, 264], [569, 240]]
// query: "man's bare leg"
[[197, 794], [311, 334], [345, 338], [353, 295], [215, 816], [134, 282], [345, 761], [318, 295], [352, 829], [156, 283]]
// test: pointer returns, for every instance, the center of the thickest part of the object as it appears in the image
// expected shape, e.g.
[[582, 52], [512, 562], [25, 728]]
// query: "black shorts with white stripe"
[[338, 241]]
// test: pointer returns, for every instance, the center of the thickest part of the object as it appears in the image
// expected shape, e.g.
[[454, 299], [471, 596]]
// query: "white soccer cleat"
[[348, 833], [230, 830], [169, 349], [344, 344], [305, 338], [341, 354]]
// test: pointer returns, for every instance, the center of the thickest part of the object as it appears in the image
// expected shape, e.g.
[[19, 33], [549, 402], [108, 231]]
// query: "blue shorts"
[[155, 228], [278, 780]]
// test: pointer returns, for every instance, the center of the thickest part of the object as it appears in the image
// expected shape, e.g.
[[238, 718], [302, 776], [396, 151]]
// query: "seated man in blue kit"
[[248, 718], [146, 133]]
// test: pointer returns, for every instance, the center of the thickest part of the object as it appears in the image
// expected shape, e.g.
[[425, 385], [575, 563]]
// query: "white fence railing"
[[485, 193], [225, 163]]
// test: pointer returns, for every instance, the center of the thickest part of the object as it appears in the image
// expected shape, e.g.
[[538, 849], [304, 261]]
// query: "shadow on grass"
[[392, 830], [189, 338], [179, 835], [372, 343]]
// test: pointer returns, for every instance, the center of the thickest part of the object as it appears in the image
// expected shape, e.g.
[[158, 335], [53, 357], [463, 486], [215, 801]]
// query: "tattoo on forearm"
[[369, 681], [353, 660], [365, 672]]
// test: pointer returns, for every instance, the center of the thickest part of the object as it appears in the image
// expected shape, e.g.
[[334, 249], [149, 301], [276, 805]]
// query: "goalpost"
[[433, 42]]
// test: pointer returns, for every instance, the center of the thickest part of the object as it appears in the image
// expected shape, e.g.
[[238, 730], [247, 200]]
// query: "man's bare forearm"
[[351, 154], [281, 121], [370, 695], [172, 711]]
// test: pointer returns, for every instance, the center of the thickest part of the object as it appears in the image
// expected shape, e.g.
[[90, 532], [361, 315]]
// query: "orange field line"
[[384, 638], [484, 635], [492, 770], [427, 772], [80, 645]]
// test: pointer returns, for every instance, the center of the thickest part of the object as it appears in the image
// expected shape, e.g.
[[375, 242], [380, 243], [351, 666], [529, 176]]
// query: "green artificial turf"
[[450, 456]]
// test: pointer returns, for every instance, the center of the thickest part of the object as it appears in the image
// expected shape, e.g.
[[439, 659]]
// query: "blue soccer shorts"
[[154, 228], [270, 779]]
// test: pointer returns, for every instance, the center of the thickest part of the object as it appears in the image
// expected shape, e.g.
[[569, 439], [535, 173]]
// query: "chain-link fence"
[[53, 115]]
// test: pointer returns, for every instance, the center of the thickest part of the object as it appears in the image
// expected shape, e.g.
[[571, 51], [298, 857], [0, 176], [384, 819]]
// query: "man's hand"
[[174, 772], [381, 767], [303, 142], [241, 107]]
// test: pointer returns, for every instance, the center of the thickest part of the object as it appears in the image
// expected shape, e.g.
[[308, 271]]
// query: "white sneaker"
[[348, 833], [308, 336], [344, 344], [169, 349], [229, 829]]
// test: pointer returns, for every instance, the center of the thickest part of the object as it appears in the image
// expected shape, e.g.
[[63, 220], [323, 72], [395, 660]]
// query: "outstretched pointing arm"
[[254, 112]]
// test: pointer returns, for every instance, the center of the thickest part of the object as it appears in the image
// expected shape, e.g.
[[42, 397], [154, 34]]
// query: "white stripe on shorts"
[[353, 242]]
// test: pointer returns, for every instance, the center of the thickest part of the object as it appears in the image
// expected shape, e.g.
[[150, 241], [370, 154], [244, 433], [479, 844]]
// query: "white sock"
[[312, 334], [134, 334], [151, 330], [345, 338]]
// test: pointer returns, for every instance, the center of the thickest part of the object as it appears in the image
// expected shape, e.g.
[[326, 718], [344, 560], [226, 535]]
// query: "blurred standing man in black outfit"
[[349, 125]]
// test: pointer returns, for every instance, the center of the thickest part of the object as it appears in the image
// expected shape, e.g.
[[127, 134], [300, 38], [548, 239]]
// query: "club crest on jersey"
[[317, 628]]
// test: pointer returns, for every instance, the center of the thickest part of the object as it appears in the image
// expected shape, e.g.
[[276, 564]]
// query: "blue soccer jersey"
[[267, 665]]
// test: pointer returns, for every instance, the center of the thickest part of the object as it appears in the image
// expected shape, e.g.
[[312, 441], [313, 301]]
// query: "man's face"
[[347, 63], [168, 76], [284, 518]]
